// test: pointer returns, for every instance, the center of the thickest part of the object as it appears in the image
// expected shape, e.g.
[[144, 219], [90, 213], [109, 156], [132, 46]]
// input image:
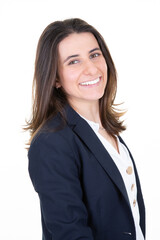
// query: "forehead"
[[77, 43]]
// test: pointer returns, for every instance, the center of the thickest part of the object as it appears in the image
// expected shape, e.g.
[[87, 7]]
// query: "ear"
[[57, 85]]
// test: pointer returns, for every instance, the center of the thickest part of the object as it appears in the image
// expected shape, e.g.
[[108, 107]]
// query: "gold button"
[[129, 170], [134, 203], [132, 187]]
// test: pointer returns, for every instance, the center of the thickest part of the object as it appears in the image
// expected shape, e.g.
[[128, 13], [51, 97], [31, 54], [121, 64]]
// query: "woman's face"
[[82, 68]]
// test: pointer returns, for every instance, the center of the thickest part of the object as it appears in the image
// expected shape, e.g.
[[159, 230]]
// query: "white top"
[[123, 161]]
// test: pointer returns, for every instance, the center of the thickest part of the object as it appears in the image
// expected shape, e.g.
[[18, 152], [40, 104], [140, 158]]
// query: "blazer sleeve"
[[55, 175]]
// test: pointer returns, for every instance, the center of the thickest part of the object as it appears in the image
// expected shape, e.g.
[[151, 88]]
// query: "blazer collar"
[[84, 131]]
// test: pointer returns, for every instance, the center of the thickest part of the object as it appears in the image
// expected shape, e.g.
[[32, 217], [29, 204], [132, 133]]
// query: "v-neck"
[[95, 126]]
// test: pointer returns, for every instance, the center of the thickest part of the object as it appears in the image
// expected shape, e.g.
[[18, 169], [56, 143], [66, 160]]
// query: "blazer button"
[[134, 203], [129, 170], [132, 187]]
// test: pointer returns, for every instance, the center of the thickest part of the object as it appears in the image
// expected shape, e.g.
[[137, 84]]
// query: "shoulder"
[[53, 150], [53, 134], [56, 126], [54, 143], [58, 131]]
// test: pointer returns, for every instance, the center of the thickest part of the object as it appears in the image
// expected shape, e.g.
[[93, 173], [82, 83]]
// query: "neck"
[[89, 110]]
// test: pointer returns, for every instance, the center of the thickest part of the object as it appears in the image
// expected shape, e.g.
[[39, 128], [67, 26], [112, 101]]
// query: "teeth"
[[90, 82]]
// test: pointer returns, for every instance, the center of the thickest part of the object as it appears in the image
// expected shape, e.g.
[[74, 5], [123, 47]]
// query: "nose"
[[90, 68]]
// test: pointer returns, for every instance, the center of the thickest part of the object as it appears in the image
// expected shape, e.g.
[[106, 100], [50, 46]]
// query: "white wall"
[[131, 29]]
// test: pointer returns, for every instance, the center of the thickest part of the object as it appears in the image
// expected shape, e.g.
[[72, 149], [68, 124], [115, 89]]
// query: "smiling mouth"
[[89, 83]]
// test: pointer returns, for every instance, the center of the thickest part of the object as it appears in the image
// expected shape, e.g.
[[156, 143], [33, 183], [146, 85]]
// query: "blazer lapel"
[[84, 131]]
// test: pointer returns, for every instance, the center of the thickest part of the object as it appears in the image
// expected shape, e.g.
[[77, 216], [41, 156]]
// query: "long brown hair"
[[47, 100]]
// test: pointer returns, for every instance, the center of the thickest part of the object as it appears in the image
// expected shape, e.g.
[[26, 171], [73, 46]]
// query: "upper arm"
[[55, 176]]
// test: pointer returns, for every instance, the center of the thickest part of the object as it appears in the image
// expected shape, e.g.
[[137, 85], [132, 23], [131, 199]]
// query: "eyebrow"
[[94, 49], [77, 55]]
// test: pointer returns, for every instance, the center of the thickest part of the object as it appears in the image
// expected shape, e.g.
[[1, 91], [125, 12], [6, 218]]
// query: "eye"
[[94, 55], [73, 62]]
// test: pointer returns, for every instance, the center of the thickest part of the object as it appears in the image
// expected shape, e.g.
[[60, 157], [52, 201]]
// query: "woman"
[[80, 167]]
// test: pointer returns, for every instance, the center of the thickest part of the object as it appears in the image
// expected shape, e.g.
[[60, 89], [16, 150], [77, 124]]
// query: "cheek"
[[68, 77], [104, 66], [104, 69]]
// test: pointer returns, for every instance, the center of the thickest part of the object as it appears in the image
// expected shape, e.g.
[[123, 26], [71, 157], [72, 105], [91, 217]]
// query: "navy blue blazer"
[[82, 194]]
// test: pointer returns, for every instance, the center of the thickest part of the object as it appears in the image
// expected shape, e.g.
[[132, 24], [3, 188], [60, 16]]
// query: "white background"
[[131, 29]]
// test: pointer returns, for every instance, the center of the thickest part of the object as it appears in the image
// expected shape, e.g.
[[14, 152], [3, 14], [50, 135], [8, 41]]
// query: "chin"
[[98, 96]]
